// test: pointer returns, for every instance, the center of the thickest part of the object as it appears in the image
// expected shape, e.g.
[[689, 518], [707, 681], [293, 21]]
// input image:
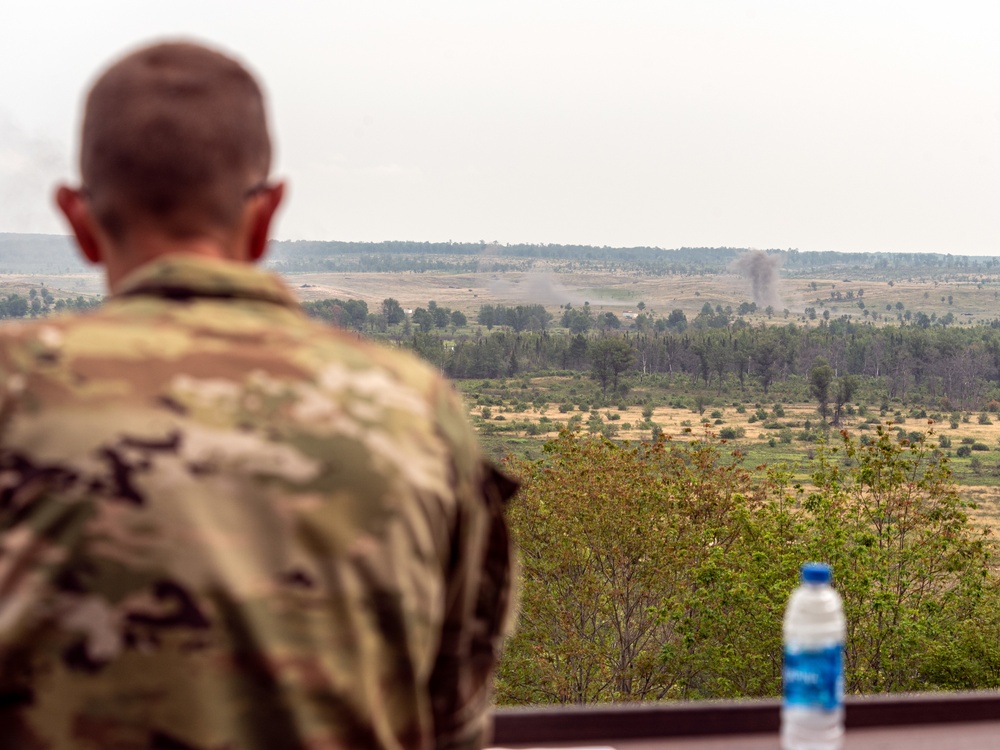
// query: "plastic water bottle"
[[812, 707]]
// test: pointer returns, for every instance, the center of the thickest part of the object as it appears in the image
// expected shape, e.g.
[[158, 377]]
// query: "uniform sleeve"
[[479, 594]]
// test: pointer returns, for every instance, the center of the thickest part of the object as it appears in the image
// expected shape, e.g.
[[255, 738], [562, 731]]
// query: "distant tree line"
[[41, 302], [518, 318], [354, 314], [22, 253], [958, 367], [470, 257]]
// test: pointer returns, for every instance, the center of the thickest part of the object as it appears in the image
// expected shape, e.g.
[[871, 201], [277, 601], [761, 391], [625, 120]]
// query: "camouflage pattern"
[[226, 526]]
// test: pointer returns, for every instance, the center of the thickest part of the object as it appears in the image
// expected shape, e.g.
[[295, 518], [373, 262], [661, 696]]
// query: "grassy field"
[[552, 283], [516, 416]]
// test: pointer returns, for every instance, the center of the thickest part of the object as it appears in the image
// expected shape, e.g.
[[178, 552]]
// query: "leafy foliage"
[[661, 570], [910, 566]]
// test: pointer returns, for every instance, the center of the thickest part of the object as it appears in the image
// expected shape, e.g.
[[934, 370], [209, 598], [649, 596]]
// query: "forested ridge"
[[394, 257], [55, 254]]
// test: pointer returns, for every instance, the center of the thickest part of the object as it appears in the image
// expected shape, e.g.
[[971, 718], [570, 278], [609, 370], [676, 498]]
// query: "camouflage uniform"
[[226, 526]]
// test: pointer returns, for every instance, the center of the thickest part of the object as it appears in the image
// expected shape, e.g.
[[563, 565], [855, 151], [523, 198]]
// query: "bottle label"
[[814, 678]]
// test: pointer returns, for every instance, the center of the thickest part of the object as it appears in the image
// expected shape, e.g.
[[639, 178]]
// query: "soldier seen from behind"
[[225, 526]]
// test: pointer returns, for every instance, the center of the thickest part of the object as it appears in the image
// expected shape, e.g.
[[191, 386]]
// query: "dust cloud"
[[761, 270], [536, 288]]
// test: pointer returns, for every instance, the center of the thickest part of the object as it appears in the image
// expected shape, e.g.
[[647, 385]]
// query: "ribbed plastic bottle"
[[812, 707]]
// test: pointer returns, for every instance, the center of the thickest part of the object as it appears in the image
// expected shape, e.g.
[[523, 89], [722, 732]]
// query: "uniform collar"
[[191, 276]]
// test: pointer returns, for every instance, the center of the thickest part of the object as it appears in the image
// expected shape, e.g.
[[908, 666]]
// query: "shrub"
[[984, 418], [980, 447], [912, 571], [963, 451]]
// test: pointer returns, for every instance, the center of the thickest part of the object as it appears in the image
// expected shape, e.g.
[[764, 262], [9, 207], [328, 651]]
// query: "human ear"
[[74, 207], [267, 202]]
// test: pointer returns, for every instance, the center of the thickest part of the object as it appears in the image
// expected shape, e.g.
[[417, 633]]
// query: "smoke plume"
[[761, 270], [30, 165]]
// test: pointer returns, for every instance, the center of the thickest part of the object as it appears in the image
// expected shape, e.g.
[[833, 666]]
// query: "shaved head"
[[174, 135]]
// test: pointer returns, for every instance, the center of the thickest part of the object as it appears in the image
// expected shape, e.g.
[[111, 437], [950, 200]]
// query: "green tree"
[[610, 321], [843, 392], [487, 316], [423, 319], [609, 357], [676, 321], [393, 311], [820, 378], [910, 565], [620, 547], [440, 315], [577, 321]]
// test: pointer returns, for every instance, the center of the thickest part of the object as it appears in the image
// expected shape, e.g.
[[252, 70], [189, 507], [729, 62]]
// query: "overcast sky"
[[818, 125]]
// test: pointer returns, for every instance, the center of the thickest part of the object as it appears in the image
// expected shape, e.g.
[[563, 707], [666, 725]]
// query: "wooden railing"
[[608, 724]]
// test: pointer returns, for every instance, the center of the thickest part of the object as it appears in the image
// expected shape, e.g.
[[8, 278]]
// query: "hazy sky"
[[819, 125]]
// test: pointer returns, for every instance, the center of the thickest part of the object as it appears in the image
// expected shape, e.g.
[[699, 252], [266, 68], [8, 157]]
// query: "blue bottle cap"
[[814, 572]]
